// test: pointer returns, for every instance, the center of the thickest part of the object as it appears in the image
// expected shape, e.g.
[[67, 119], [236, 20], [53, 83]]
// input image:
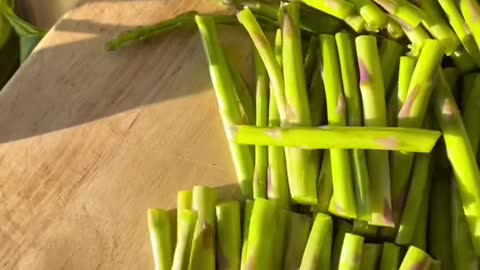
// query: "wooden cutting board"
[[89, 140]]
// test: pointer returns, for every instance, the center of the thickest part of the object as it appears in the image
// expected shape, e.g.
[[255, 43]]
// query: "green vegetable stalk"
[[416, 259], [261, 152], [375, 18], [352, 252], [467, 87], [398, 98], [319, 245], [228, 235], [343, 200], [324, 185], [362, 228], [342, 228], [298, 229], [370, 256], [203, 243], [280, 241], [471, 111], [375, 115], [394, 29], [247, 214], [403, 10], [277, 184], [186, 221], [223, 85], [160, 227], [471, 12], [461, 156], [309, 64], [390, 53], [390, 259], [244, 96], [301, 166], [346, 56], [417, 36], [463, 60], [341, 9], [421, 234]]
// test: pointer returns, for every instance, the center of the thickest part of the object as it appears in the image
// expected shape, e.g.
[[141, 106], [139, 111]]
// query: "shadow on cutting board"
[[71, 80]]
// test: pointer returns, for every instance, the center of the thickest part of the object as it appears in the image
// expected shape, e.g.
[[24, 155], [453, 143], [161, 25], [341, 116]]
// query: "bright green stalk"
[[277, 184], [374, 16], [352, 252], [203, 244], [463, 253], [243, 94], [375, 115], [247, 19], [341, 9], [370, 256], [403, 10], [417, 191], [346, 56], [317, 95], [343, 201], [417, 37], [319, 245], [471, 12], [281, 235], [416, 259], [463, 60], [438, 28], [261, 235], [395, 103], [261, 152], [228, 235], [471, 111], [184, 200], [247, 214], [412, 114], [362, 228], [394, 29], [301, 167], [223, 85], [310, 61], [390, 257], [461, 29], [421, 233], [342, 228], [160, 227], [324, 184], [390, 53], [461, 156], [327, 137], [186, 221], [298, 228]]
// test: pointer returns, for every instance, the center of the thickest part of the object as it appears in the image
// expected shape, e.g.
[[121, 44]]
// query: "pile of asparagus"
[[343, 128]]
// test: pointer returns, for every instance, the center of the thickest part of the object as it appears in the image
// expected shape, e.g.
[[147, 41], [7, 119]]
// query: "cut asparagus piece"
[[375, 18], [362, 228], [395, 103], [298, 228], [390, 257], [247, 214], [463, 60], [203, 243], [406, 12], [370, 256], [471, 12], [461, 156], [184, 200], [261, 235], [281, 234], [261, 105], [342, 228], [375, 115], [417, 36], [343, 200], [324, 185], [416, 259], [160, 227], [223, 85], [319, 245], [352, 252], [301, 167], [394, 29], [310, 61], [228, 235], [471, 111], [244, 96], [412, 114], [390, 52], [341, 9], [421, 234], [186, 221]]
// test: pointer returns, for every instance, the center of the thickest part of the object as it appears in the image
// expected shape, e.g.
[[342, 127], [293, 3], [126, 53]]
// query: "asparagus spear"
[[461, 29], [301, 168], [417, 36], [390, 257], [395, 103], [342, 228], [421, 234], [229, 110], [184, 202], [390, 53], [403, 10], [247, 214], [186, 220], [277, 183], [310, 61], [203, 244], [374, 17], [324, 184], [243, 94], [471, 111], [298, 228], [416, 259], [463, 60], [370, 256], [412, 114], [160, 228], [341, 9], [471, 12], [346, 55], [362, 228], [352, 252], [281, 234], [374, 114], [467, 87], [463, 254], [228, 235], [261, 152], [261, 235], [461, 156], [319, 245], [394, 29]]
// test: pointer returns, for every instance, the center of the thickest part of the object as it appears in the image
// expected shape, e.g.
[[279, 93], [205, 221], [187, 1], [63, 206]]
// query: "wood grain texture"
[[90, 140]]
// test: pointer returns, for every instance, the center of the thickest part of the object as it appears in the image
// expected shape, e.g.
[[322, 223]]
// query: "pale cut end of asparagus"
[[160, 227], [186, 221], [416, 259], [352, 252]]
